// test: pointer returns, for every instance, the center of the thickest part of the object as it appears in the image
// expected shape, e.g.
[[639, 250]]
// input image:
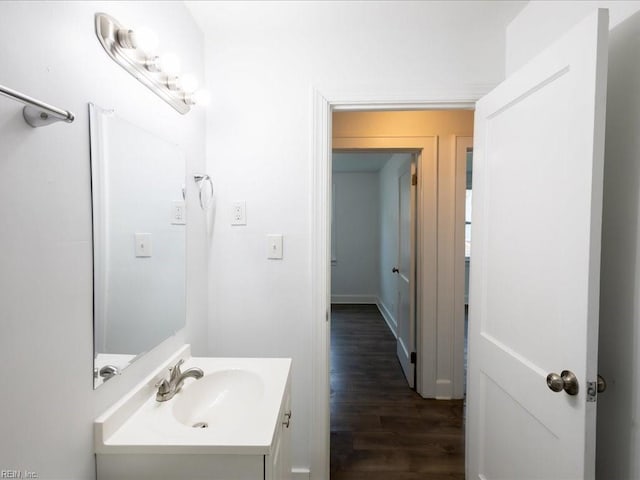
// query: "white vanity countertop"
[[240, 398]]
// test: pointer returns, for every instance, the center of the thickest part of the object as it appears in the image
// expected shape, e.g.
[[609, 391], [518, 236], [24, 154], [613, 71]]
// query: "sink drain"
[[200, 425]]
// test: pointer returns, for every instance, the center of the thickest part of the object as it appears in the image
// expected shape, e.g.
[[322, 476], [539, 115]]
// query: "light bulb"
[[145, 39], [169, 63], [173, 83], [201, 97], [151, 63], [189, 82]]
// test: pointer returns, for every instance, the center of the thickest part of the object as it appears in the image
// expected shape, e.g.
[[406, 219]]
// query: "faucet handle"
[[163, 387], [174, 372]]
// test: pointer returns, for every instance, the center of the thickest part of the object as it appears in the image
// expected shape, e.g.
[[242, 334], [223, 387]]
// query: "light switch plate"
[[274, 247], [144, 248]]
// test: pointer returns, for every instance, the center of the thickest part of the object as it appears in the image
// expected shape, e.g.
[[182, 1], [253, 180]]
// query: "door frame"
[[460, 144], [323, 104]]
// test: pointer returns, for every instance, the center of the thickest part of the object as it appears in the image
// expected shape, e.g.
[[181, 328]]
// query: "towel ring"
[[203, 179]]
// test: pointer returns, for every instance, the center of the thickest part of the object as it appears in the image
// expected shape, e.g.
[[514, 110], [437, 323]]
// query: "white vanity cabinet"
[[247, 438], [275, 465], [278, 463], [178, 466]]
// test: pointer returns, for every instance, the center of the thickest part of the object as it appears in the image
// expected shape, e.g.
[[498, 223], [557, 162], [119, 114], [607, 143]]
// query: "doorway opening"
[[373, 247], [420, 278]]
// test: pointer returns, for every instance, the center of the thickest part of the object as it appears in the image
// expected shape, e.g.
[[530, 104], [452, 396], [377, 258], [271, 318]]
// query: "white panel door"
[[406, 343], [537, 207]]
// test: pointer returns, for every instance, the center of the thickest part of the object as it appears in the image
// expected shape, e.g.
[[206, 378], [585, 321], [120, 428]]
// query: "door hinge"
[[414, 179], [592, 391], [414, 357]]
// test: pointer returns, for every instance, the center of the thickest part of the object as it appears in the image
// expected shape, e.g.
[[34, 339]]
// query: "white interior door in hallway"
[[537, 210], [406, 271]]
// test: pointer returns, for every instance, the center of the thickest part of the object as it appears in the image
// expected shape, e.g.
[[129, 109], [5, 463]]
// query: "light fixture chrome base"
[[135, 62]]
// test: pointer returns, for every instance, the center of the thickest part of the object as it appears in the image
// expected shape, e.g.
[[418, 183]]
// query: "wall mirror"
[[138, 188]]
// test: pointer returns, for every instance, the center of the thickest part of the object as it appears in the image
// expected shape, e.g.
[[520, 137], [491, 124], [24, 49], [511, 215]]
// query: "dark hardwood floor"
[[380, 428]]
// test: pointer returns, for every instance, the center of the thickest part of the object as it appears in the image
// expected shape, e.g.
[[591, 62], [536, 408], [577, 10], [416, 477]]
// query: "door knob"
[[602, 384], [394, 270], [566, 381]]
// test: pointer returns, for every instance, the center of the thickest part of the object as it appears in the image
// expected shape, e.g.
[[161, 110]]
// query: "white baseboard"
[[369, 299], [300, 474], [388, 317], [444, 389]]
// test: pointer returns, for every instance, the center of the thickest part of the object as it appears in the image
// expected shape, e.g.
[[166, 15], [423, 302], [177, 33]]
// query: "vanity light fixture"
[[152, 63], [133, 50], [199, 97], [173, 83], [141, 38], [169, 63], [189, 82]]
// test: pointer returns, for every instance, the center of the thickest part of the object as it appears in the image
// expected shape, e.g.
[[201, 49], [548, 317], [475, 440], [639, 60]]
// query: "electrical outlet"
[[238, 213], [178, 216]]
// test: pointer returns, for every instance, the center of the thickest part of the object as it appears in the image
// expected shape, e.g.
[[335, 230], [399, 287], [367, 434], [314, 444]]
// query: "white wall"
[[618, 438], [355, 274], [263, 59], [389, 235], [49, 50], [526, 37]]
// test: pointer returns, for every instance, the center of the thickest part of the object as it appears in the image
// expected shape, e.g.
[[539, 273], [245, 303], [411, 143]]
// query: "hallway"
[[381, 429]]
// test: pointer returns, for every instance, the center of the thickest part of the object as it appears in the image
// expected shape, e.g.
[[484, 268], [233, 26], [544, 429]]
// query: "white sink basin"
[[239, 400], [219, 399]]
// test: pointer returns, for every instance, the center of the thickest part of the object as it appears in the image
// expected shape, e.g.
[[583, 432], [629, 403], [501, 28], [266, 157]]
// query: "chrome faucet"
[[168, 388]]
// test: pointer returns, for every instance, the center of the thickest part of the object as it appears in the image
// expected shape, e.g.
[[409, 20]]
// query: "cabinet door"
[[285, 440], [279, 462]]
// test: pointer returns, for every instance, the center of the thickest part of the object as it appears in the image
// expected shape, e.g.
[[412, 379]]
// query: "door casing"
[[324, 103]]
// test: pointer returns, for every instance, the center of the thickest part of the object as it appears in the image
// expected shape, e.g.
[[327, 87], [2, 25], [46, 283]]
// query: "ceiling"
[[220, 18]]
